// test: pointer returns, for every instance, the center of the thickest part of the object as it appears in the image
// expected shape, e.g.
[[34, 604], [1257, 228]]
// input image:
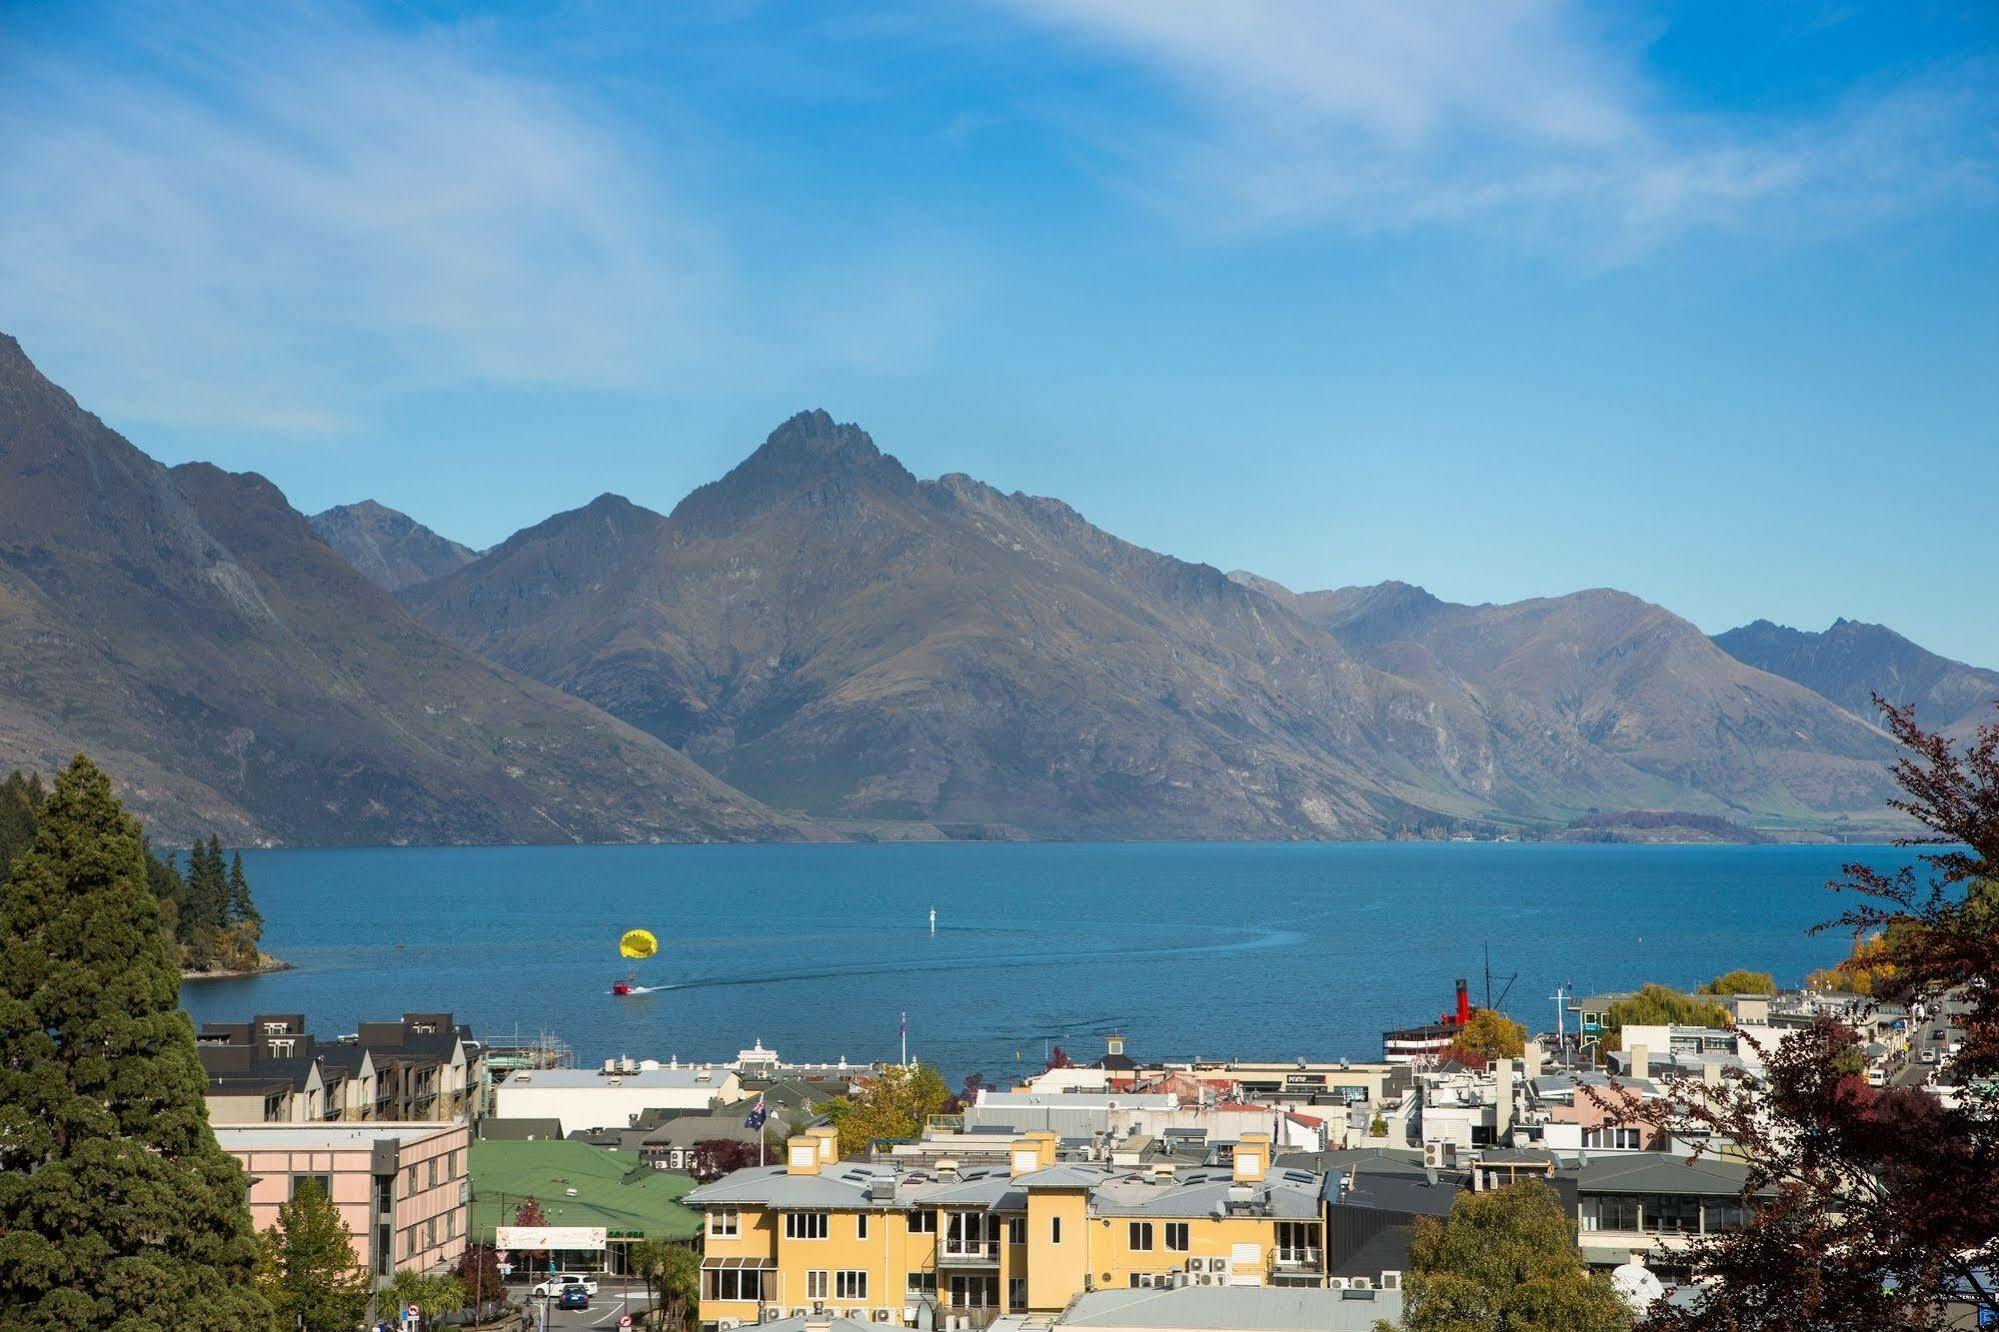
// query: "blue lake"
[[1262, 951]]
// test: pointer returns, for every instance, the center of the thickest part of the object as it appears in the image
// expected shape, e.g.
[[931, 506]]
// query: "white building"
[[612, 1097]]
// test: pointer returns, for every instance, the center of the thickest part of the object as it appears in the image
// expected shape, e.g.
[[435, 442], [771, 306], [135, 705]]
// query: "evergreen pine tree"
[[242, 911], [310, 1274], [117, 1209]]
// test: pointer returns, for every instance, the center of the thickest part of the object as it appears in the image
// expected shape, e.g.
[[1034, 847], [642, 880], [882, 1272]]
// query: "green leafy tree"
[[1506, 1261], [1489, 1035], [21, 796], [1740, 981], [117, 1209], [434, 1294], [894, 1105], [310, 1273], [672, 1273], [1655, 1005]]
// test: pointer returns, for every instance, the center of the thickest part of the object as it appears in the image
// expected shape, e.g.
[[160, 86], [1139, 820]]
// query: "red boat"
[[622, 987]]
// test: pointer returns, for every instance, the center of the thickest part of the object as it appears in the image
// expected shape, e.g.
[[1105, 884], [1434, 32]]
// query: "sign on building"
[[549, 1237]]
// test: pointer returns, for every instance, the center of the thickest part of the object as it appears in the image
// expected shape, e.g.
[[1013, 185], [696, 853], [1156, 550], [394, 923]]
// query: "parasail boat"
[[635, 944]]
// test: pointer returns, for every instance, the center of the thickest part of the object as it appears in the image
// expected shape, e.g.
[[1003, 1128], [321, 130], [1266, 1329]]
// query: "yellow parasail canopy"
[[638, 943]]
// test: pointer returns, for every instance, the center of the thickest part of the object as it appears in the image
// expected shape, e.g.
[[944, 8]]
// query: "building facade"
[[947, 1246], [403, 1189]]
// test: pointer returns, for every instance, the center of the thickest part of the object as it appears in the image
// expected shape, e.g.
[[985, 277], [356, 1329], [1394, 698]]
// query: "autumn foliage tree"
[[894, 1104], [1488, 1035], [1878, 1207]]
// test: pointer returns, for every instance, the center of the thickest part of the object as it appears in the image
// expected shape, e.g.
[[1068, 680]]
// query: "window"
[[433, 1173], [1610, 1212], [325, 1183], [860, 1225], [805, 1225], [430, 1233], [922, 1283], [409, 1184], [850, 1284], [1016, 1294], [923, 1223], [1627, 1139], [1054, 1230], [1722, 1214], [1176, 1236], [1141, 1237], [1673, 1215], [450, 1223], [722, 1223], [733, 1284], [815, 1284], [1016, 1230]]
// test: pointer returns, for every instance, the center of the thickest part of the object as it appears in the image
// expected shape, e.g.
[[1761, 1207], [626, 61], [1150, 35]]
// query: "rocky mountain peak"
[[810, 451]]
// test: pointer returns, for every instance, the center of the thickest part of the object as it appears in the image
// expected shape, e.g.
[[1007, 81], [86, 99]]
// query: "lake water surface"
[[1262, 951]]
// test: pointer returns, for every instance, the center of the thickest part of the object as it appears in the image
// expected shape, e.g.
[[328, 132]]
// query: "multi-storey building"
[[402, 1188], [891, 1244], [271, 1069]]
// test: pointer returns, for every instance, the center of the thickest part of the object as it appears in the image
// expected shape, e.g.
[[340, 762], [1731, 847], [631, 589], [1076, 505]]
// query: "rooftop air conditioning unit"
[[728, 1324], [1360, 1283], [1220, 1265], [1391, 1281], [1336, 1283], [884, 1315]]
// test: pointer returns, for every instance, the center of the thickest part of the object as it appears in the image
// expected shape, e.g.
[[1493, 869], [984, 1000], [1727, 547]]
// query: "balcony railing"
[[1297, 1260], [975, 1253]]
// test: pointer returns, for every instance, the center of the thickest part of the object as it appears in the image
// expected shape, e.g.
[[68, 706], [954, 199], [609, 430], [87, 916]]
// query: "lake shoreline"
[[266, 966]]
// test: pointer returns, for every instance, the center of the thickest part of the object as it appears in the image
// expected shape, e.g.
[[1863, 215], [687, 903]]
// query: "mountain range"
[[1851, 662], [822, 644], [187, 628]]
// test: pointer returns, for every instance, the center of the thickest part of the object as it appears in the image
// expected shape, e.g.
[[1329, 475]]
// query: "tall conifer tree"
[[117, 1209]]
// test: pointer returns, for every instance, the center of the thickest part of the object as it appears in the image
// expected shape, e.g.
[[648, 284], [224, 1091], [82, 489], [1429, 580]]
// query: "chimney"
[[1711, 1072], [1532, 1059], [1464, 1003], [1024, 1157], [1641, 1062], [1252, 1158], [1502, 1115], [1045, 1143], [801, 1155], [828, 1139]]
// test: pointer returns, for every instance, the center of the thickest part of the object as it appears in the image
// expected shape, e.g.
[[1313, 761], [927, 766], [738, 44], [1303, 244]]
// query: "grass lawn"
[[612, 1189]]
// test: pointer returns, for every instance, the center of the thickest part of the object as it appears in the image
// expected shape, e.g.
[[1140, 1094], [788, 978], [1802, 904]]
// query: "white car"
[[553, 1286], [1929, 1054]]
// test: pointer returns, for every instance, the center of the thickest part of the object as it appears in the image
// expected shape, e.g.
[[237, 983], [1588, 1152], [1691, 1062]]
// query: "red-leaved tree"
[[1876, 1208]]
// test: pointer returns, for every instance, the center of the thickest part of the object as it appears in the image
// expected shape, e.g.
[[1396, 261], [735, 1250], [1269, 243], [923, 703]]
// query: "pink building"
[[402, 1187]]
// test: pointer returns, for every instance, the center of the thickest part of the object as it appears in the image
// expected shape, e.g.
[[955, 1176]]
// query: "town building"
[[402, 1188], [963, 1245], [615, 1096], [271, 1069]]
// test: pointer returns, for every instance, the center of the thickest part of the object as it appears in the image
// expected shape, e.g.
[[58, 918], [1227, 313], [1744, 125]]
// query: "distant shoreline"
[[264, 967]]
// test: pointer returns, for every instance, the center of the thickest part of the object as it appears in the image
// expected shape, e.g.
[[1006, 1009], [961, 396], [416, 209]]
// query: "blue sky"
[[1503, 298]]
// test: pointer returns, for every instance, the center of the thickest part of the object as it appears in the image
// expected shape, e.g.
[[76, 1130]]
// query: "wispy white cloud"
[[1523, 114], [274, 225]]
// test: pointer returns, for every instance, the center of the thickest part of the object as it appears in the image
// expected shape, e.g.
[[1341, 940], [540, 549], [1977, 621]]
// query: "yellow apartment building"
[[943, 1247]]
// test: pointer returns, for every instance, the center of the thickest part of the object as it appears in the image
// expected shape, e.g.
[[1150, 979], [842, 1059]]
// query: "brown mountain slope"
[[1852, 661], [188, 629], [833, 635], [388, 548], [830, 633], [1597, 687]]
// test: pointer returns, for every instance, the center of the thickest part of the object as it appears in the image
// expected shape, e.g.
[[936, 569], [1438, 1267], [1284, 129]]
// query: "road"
[[602, 1316]]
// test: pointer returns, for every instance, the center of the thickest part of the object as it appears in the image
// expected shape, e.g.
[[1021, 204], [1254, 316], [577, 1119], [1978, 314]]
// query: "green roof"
[[612, 1189]]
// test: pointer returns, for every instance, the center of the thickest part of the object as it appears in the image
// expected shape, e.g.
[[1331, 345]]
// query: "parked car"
[[573, 1296], [556, 1284], [1877, 1076], [1930, 1054]]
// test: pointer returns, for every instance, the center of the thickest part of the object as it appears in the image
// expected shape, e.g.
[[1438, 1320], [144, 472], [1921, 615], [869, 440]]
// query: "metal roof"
[[1236, 1309]]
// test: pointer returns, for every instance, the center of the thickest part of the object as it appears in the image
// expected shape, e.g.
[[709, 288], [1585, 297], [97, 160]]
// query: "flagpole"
[[905, 1040]]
